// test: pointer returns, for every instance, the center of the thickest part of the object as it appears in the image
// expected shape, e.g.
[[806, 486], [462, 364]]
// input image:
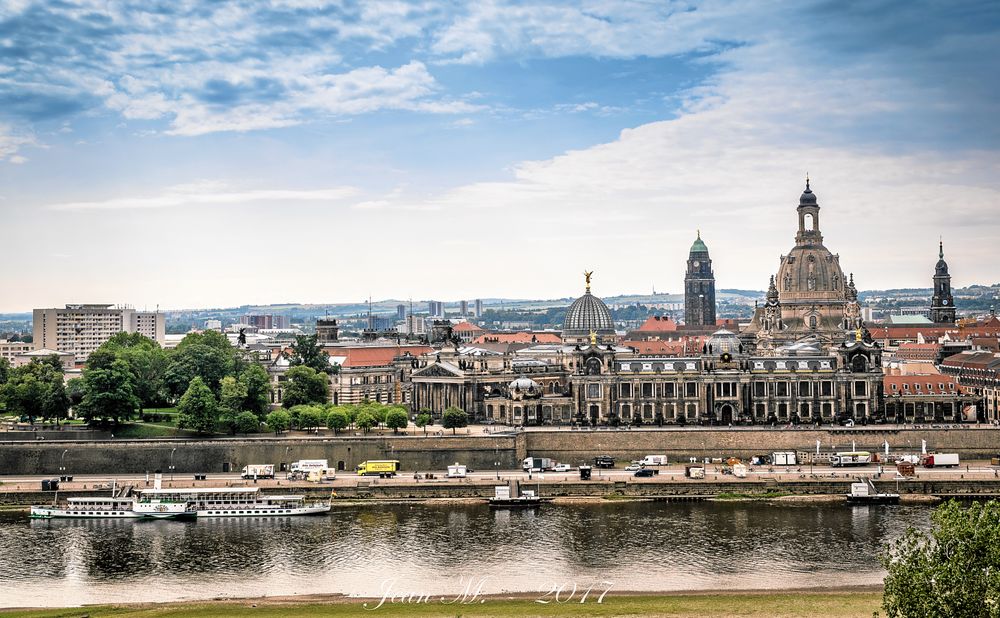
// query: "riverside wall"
[[478, 451]]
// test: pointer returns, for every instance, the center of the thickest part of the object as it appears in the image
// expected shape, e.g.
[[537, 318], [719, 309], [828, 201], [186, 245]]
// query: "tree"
[[108, 394], [423, 420], [952, 571], [304, 386], [454, 418], [396, 419], [198, 408], [4, 371], [307, 352], [76, 388], [258, 390], [36, 390], [365, 421], [146, 360], [207, 355], [247, 422], [337, 419], [232, 396], [310, 417], [279, 421]]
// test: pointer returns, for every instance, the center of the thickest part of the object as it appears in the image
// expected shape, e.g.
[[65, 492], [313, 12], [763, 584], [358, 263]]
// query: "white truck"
[[653, 460], [457, 471], [537, 464], [307, 465], [940, 460], [314, 470], [258, 471], [783, 458], [850, 458]]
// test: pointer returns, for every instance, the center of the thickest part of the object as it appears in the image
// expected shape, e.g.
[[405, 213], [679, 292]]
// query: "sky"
[[206, 154]]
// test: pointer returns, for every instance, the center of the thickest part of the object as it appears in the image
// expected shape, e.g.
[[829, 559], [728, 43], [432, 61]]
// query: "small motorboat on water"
[[511, 497], [865, 492]]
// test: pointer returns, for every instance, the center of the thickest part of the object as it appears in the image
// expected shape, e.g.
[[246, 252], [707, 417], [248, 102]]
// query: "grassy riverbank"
[[838, 604]]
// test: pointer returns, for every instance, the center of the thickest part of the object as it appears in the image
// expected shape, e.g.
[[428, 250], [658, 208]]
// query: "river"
[[439, 549]]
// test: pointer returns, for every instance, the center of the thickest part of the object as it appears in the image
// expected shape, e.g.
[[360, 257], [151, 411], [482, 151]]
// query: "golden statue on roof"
[[593, 338], [586, 275]]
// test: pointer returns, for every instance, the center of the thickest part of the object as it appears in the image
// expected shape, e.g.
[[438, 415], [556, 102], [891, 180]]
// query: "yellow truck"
[[383, 468]]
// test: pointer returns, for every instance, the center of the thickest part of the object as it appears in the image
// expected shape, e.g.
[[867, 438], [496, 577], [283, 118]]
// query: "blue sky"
[[192, 154]]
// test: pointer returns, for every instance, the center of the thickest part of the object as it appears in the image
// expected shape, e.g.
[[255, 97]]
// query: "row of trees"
[[34, 391]]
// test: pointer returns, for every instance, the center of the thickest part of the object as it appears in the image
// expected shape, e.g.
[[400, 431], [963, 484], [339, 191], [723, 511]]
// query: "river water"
[[437, 550]]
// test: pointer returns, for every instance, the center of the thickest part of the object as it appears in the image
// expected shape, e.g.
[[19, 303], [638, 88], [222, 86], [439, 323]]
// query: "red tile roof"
[[466, 327], [518, 338], [372, 356], [658, 324], [931, 384]]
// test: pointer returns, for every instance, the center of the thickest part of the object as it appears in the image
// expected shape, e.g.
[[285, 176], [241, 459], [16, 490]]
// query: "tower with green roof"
[[699, 287]]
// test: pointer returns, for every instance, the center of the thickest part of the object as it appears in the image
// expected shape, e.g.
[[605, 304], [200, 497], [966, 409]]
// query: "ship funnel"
[[158, 480]]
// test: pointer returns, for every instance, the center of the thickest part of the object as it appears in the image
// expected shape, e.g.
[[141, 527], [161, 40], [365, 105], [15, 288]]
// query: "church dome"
[[810, 272], [698, 246], [525, 385], [808, 197], [588, 313]]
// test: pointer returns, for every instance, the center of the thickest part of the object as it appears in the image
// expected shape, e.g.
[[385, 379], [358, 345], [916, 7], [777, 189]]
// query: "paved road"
[[969, 471]]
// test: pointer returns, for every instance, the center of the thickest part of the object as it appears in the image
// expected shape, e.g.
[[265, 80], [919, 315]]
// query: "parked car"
[[604, 461], [641, 472], [562, 468], [633, 467]]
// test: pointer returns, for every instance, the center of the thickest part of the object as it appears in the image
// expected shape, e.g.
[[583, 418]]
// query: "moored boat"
[[232, 502]]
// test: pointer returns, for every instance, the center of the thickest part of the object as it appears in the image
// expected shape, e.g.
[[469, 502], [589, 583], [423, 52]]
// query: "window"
[[826, 388], [668, 390], [626, 391], [804, 389], [894, 388], [760, 410], [860, 389], [647, 411], [647, 389], [781, 389], [759, 389], [594, 391], [691, 389]]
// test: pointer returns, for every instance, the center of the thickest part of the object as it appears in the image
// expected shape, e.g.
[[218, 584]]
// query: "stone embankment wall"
[[682, 489], [480, 452]]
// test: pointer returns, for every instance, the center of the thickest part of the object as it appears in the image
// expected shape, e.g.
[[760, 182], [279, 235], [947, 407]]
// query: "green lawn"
[[750, 604]]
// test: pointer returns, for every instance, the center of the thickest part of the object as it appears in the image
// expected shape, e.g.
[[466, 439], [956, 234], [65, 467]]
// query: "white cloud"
[[11, 142], [211, 193]]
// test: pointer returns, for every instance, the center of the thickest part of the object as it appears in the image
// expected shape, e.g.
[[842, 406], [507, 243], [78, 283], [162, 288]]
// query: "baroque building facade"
[[804, 358]]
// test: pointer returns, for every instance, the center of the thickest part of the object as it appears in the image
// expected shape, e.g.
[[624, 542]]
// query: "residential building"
[[81, 329], [11, 349]]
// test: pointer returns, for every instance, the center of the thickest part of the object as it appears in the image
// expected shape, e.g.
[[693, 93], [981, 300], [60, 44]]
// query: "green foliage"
[[310, 417], [423, 420], [207, 355], [36, 390], [247, 422], [952, 571], [396, 419], [337, 419], [109, 394], [365, 420], [454, 418], [231, 399], [4, 371], [304, 385], [279, 421], [146, 360], [307, 352], [258, 390], [198, 407], [75, 390]]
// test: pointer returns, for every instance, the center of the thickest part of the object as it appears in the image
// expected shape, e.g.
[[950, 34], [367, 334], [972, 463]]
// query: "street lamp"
[[62, 468], [496, 464], [171, 467]]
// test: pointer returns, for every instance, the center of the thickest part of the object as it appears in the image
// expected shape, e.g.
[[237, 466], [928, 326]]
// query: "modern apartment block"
[[11, 349], [81, 329]]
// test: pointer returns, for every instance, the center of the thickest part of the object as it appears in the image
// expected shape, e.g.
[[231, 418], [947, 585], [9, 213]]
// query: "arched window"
[[812, 322], [859, 364]]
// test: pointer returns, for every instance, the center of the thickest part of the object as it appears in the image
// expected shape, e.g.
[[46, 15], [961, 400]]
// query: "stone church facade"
[[804, 358]]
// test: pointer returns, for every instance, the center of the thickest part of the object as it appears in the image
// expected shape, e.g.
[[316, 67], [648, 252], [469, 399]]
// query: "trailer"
[[304, 466], [604, 461], [940, 460], [783, 458], [457, 471], [537, 464], [850, 458], [258, 471]]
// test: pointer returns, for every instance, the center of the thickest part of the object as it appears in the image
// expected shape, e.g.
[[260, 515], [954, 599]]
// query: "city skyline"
[[214, 156]]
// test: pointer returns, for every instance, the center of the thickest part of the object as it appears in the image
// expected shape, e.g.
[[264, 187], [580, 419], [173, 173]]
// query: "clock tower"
[[942, 303], [699, 287]]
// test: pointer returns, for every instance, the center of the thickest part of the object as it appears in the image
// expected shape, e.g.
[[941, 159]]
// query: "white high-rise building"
[[81, 329]]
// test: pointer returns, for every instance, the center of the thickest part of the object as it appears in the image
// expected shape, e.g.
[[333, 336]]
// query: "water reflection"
[[640, 546]]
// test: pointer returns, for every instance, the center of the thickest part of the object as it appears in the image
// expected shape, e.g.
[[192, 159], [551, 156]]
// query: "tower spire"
[[940, 248], [807, 181]]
